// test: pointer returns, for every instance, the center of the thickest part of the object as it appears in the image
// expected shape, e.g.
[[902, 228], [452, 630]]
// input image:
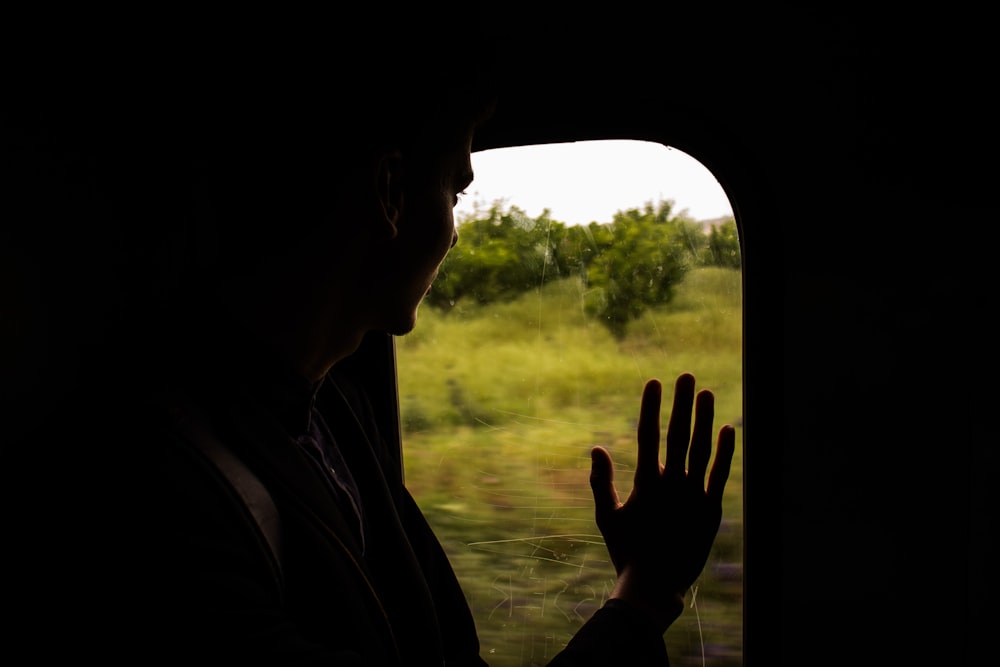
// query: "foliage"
[[641, 257], [542, 352], [499, 257], [626, 266], [723, 248]]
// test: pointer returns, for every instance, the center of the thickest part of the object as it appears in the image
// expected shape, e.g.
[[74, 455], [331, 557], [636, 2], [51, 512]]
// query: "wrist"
[[659, 612]]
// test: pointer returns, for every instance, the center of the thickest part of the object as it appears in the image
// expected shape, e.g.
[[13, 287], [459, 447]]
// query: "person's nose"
[[454, 237]]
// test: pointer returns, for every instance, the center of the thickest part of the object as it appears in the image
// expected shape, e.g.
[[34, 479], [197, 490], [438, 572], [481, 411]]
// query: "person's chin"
[[403, 325]]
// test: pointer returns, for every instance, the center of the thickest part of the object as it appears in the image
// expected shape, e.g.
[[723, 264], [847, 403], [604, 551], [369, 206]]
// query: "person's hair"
[[168, 160], [285, 137], [142, 162]]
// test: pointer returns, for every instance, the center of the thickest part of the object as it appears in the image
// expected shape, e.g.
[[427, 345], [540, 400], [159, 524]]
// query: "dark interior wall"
[[859, 151]]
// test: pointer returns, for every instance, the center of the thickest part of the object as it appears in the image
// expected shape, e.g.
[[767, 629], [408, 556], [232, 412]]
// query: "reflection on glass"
[[532, 347]]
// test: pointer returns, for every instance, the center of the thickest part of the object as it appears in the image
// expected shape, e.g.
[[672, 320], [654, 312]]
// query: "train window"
[[533, 345]]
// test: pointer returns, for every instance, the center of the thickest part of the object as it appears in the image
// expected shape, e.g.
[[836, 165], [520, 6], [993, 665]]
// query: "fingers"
[[602, 483], [647, 468], [680, 439], [701, 438], [679, 427], [723, 462]]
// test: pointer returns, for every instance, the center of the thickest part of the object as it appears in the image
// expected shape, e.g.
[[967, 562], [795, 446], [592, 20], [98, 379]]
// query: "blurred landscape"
[[500, 405]]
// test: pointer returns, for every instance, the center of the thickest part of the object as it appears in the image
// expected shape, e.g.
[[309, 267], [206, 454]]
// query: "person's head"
[[329, 191], [163, 166]]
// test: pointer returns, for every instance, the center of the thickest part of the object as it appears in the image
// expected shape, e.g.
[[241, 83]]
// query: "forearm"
[[617, 634]]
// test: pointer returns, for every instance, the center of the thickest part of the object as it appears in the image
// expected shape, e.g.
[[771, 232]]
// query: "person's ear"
[[389, 190]]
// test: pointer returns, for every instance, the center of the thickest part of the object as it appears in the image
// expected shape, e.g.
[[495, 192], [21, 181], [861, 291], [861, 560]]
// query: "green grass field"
[[500, 406]]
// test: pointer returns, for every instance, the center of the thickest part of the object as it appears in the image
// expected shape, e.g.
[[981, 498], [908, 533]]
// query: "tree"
[[723, 248], [499, 256], [638, 260]]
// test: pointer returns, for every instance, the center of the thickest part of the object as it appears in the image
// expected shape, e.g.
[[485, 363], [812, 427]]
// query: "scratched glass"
[[503, 392]]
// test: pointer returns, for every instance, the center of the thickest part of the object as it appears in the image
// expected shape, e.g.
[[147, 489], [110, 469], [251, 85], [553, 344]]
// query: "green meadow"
[[500, 406]]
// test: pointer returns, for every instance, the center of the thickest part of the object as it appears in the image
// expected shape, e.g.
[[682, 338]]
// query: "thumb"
[[602, 482]]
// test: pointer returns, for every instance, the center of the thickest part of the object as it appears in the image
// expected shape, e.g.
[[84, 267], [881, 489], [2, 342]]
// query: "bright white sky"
[[587, 181]]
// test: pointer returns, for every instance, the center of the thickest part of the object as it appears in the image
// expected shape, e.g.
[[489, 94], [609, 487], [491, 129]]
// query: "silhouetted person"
[[276, 222]]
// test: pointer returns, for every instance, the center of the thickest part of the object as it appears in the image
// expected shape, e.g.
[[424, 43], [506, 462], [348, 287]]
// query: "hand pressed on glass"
[[660, 537]]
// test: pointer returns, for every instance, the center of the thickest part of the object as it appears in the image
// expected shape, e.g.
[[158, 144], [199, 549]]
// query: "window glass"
[[533, 346]]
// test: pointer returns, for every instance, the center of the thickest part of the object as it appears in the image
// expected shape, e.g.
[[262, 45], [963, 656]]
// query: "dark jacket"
[[162, 563]]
